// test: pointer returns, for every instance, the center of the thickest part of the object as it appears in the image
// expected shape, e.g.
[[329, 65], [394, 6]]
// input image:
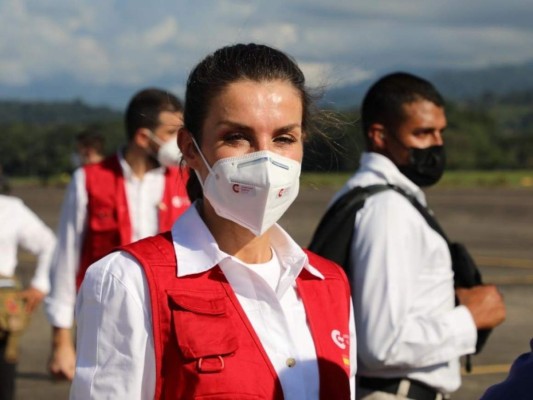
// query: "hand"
[[32, 297], [485, 303], [62, 364]]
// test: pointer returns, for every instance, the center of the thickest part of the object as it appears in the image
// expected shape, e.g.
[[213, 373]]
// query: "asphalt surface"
[[494, 223]]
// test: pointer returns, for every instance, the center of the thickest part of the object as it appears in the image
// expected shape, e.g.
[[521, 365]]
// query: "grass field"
[[451, 179], [465, 179]]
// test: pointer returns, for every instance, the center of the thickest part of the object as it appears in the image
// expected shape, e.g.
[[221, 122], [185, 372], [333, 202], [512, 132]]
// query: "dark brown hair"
[[145, 106]]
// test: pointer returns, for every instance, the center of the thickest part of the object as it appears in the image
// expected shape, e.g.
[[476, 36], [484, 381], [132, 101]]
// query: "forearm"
[[61, 337], [63, 358]]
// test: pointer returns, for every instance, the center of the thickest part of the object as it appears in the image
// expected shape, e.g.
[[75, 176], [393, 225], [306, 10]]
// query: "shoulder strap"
[[465, 271], [156, 256], [334, 233], [424, 211]]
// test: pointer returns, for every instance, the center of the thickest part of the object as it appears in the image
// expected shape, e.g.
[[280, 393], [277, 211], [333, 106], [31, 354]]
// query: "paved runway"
[[495, 223]]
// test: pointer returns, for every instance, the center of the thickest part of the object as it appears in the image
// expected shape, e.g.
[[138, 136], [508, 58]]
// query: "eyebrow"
[[246, 128], [429, 129]]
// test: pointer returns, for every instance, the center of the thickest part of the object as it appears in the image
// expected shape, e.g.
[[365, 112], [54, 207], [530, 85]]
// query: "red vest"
[[205, 345], [108, 219]]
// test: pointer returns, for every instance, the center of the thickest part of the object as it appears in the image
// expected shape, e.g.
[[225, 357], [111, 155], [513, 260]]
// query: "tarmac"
[[494, 223]]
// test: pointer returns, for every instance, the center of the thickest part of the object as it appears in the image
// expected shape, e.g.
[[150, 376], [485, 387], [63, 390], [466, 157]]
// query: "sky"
[[336, 42]]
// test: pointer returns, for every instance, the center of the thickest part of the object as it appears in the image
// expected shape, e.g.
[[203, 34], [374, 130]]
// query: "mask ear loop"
[[211, 171], [155, 139]]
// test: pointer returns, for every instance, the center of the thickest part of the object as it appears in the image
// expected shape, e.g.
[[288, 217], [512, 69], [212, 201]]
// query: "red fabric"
[[108, 220], [205, 345]]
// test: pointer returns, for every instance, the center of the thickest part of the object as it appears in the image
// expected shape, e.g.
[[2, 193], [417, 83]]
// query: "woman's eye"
[[285, 139], [234, 137]]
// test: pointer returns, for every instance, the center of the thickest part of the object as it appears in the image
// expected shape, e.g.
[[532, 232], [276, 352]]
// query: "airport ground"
[[495, 223]]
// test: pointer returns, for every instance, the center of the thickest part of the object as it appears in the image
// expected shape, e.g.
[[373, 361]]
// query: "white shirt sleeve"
[[65, 262], [403, 297], [115, 353], [38, 239]]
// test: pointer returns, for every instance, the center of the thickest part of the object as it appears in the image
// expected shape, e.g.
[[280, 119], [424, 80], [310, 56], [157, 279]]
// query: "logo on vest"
[[178, 201], [339, 339]]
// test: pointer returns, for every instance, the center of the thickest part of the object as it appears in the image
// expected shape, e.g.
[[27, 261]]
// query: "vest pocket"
[[203, 327]]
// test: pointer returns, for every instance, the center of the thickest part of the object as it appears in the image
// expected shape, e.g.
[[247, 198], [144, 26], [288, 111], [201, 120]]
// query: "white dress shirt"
[[19, 226], [406, 319], [115, 343], [143, 196]]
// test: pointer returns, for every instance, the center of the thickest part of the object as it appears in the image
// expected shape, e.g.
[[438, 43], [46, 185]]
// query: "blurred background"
[[66, 65]]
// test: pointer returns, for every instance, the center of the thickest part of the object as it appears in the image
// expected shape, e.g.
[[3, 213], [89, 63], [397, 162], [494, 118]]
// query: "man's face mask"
[[426, 166], [168, 153], [253, 190]]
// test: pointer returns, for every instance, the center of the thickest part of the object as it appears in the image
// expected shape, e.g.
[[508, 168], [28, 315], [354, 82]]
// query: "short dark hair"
[[145, 106], [254, 62], [384, 101], [91, 137]]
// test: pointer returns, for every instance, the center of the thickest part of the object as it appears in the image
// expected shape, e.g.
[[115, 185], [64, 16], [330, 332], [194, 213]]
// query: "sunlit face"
[[252, 116], [422, 127]]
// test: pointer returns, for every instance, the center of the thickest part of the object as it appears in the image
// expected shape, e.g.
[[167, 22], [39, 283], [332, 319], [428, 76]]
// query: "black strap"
[[465, 271], [334, 233], [426, 213]]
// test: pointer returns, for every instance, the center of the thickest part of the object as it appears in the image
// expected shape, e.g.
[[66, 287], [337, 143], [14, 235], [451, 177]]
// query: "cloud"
[[134, 42]]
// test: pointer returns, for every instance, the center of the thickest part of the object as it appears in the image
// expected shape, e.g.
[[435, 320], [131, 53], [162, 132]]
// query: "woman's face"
[[252, 116]]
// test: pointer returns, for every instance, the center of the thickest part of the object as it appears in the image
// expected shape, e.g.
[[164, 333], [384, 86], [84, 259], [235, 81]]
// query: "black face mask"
[[426, 166]]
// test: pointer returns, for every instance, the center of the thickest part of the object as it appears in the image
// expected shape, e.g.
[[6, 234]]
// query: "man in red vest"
[[130, 195]]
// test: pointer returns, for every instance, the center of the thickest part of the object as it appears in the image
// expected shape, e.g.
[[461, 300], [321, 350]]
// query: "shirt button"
[[291, 362]]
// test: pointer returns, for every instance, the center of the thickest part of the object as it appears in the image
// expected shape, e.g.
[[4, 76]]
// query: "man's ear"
[[142, 137], [188, 149], [377, 138]]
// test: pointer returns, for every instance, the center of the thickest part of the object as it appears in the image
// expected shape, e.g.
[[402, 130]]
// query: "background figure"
[[226, 304], [19, 226], [134, 193], [89, 147], [410, 332], [519, 383]]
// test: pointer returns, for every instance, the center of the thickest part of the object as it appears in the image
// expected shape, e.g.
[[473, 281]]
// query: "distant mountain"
[[66, 89], [453, 84], [55, 112], [467, 84]]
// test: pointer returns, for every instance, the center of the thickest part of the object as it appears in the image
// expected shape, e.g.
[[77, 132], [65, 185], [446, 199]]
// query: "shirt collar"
[[384, 169], [197, 251], [126, 169]]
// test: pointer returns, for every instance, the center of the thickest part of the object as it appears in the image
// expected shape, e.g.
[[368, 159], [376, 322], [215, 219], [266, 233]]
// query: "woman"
[[19, 227], [226, 305]]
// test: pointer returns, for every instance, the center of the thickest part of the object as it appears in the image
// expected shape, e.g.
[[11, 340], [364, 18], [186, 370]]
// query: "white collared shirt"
[[115, 343], [407, 322], [19, 226], [143, 196]]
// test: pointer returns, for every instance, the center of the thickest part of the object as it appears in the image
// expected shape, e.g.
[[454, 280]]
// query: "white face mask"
[[168, 153], [254, 190]]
